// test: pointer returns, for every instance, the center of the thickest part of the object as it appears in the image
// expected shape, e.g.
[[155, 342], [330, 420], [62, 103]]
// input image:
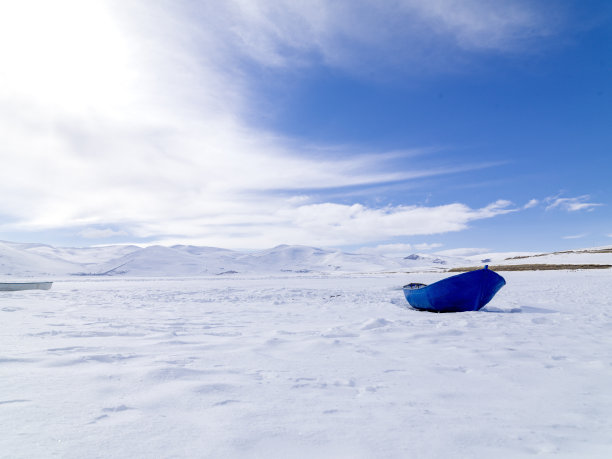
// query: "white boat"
[[14, 286]]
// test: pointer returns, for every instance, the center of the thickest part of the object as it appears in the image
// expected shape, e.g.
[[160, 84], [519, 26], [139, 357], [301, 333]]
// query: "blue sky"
[[395, 126]]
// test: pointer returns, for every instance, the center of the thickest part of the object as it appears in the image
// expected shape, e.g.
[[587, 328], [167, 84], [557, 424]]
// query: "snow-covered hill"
[[29, 260], [594, 255], [26, 260], [23, 260]]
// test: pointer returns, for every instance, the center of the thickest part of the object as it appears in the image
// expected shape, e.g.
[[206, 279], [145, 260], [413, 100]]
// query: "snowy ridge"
[[25, 260], [28, 260], [594, 255]]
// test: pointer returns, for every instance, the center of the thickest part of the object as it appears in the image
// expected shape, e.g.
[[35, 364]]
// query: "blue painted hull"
[[464, 292]]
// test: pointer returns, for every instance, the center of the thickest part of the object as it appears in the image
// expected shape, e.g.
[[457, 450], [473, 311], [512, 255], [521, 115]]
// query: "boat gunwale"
[[415, 286]]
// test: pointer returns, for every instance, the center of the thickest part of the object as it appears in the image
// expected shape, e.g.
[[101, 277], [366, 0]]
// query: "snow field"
[[305, 366]]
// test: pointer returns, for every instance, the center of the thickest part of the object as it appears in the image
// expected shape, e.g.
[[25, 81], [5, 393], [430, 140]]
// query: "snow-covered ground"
[[325, 366]]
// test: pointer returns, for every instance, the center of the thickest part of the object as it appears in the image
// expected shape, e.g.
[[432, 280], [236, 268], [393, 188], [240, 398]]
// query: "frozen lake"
[[328, 366]]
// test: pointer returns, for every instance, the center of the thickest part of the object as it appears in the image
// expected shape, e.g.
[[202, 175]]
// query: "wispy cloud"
[[571, 204], [347, 34], [463, 252], [399, 249], [425, 246], [100, 233], [531, 203], [135, 116], [575, 236]]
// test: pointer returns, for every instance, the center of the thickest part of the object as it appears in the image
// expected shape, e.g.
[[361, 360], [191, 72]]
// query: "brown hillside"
[[530, 267]]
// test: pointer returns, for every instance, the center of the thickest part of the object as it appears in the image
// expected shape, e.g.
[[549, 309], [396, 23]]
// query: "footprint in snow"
[[115, 409], [99, 418], [338, 332], [214, 388], [108, 411], [375, 323], [6, 402], [226, 402]]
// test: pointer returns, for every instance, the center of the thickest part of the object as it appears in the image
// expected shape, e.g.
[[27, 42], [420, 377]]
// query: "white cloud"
[[398, 249], [348, 34], [100, 233], [531, 203], [133, 115], [64, 55], [576, 236], [571, 204], [427, 246], [325, 224], [463, 252], [476, 24]]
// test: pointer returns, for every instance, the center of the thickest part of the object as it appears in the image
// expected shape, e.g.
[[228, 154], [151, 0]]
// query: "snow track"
[[310, 366]]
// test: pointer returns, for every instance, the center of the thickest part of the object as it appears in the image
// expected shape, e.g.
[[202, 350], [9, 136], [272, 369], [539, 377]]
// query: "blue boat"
[[464, 292]]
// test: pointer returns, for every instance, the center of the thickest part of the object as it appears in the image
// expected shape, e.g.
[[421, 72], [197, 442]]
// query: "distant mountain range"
[[27, 260], [36, 260]]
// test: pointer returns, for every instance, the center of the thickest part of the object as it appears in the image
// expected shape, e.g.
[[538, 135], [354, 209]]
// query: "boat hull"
[[16, 286], [464, 292]]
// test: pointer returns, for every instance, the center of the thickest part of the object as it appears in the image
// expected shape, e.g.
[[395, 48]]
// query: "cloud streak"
[[575, 236], [285, 33], [399, 249], [572, 204]]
